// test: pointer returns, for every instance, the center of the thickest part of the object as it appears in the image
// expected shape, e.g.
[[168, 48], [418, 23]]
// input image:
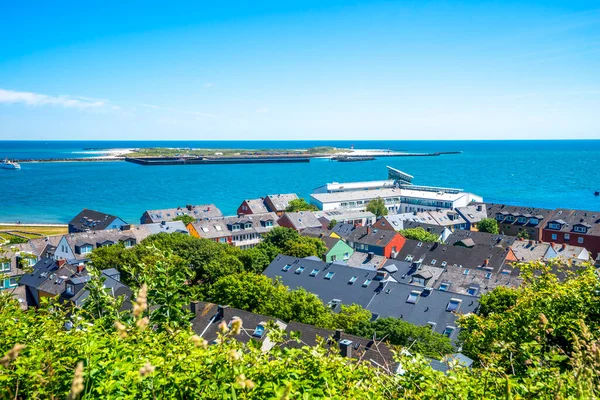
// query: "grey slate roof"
[[91, 220], [219, 228], [279, 202], [256, 206], [572, 218], [480, 238], [372, 237], [493, 209], [301, 220], [473, 213], [202, 211], [47, 276], [343, 230]]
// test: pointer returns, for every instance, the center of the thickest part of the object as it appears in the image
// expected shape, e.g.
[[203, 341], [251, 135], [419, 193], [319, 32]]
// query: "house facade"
[[574, 227], [244, 231], [514, 219], [379, 242]]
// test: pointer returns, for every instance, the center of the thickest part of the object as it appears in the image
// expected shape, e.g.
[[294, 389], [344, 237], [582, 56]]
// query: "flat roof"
[[384, 193]]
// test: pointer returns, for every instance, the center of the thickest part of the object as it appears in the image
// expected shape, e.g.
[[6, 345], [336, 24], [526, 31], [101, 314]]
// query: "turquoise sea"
[[536, 173]]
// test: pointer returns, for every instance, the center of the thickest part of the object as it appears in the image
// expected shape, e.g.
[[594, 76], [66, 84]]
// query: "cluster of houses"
[[367, 262]]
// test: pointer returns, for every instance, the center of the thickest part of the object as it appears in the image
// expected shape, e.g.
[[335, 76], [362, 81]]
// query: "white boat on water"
[[7, 164]]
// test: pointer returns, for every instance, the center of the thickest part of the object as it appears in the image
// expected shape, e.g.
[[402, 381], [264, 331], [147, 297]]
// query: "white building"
[[346, 216], [336, 187]]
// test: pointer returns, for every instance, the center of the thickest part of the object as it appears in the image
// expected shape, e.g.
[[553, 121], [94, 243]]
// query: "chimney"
[[370, 256], [60, 263], [486, 261], [163, 223], [564, 246], [220, 312], [368, 230], [479, 208], [189, 207], [338, 335], [80, 268], [552, 245], [346, 348], [531, 242], [194, 307], [125, 227]]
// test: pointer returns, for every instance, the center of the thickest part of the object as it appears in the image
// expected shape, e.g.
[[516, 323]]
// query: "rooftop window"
[[472, 291], [329, 275], [505, 272], [352, 280], [259, 331], [299, 270], [433, 262], [413, 297], [554, 225], [409, 258], [444, 263], [419, 244], [449, 331], [444, 287], [314, 272], [488, 275], [453, 305], [366, 283], [466, 271], [286, 267]]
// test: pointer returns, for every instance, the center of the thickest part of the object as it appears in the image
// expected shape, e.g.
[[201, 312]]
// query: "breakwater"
[[214, 160]]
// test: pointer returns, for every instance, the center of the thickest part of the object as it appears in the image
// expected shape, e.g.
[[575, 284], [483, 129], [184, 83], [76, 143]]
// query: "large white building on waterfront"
[[399, 194]]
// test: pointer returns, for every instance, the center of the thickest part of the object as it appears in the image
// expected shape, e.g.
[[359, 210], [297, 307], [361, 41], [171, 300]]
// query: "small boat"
[[596, 193], [7, 164]]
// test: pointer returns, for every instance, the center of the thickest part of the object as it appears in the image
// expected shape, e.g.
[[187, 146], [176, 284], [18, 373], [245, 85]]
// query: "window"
[[432, 325], [352, 280], [433, 262], [366, 283], [444, 263], [567, 236], [534, 221], [299, 270], [554, 236], [314, 272], [554, 225], [5, 266], [259, 331], [505, 272], [449, 331], [488, 275], [419, 244], [413, 297], [70, 289], [408, 258], [444, 287], [581, 229], [346, 256], [286, 268], [580, 240], [12, 281], [329, 275], [466, 271], [453, 305], [522, 220], [472, 291]]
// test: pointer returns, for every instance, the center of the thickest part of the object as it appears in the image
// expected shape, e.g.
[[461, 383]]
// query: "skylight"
[[286, 268], [329, 275], [444, 287], [299, 270], [453, 305], [413, 297], [366, 283], [259, 331], [472, 291], [448, 331], [314, 272], [488, 275], [466, 271], [352, 280]]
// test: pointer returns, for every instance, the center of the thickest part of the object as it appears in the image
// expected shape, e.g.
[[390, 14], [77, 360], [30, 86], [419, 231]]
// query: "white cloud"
[[38, 100], [262, 110]]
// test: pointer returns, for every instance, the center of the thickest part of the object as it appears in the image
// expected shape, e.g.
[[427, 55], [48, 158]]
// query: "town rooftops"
[[300, 220], [203, 211], [244, 224], [279, 202], [90, 220], [508, 214], [581, 221], [49, 276], [479, 238], [473, 213], [343, 230], [254, 206], [372, 237]]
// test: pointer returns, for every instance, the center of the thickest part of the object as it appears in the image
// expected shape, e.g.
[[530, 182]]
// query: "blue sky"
[[300, 70]]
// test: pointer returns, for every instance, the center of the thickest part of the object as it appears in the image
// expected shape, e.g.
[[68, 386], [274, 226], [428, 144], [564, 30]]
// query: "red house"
[[574, 227], [381, 242]]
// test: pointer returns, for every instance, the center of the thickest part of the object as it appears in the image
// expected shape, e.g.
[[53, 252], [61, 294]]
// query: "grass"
[[168, 152], [31, 231]]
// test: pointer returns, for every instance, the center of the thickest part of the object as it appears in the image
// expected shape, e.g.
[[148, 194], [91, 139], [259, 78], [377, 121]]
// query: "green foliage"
[[332, 224], [300, 205], [419, 339], [288, 241], [419, 234], [186, 219], [260, 294], [377, 207], [536, 322], [523, 235], [489, 225]]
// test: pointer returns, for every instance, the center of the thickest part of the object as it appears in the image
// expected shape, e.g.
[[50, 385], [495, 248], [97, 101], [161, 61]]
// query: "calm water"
[[537, 173]]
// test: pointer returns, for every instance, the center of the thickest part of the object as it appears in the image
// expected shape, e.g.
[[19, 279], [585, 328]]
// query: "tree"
[[377, 207], [300, 205], [488, 225], [350, 316], [419, 234], [186, 219], [279, 236], [524, 235], [395, 331], [332, 224], [288, 241], [499, 300]]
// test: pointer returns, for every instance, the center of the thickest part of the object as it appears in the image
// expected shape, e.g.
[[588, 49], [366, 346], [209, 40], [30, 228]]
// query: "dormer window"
[[70, 289], [554, 225], [248, 225], [499, 217], [86, 249], [510, 218], [522, 220], [235, 227], [580, 229], [5, 266]]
